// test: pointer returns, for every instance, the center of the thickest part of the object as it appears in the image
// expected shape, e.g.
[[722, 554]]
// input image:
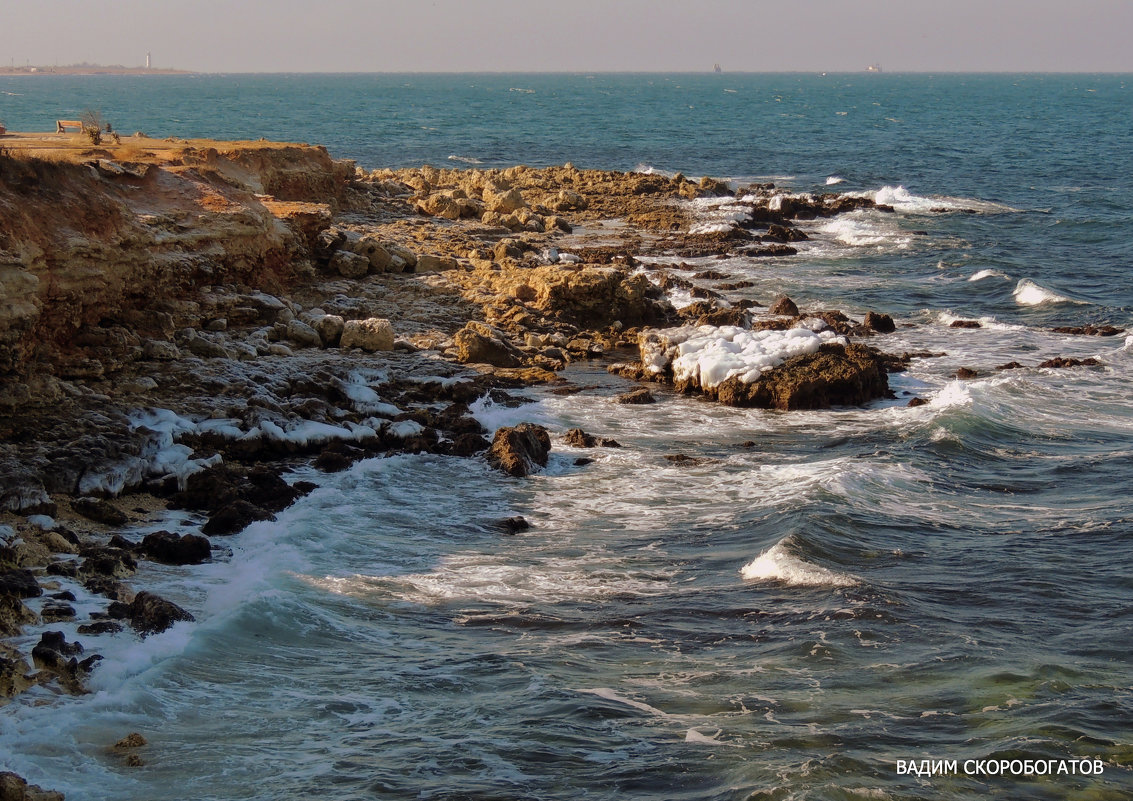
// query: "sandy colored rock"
[[372, 334], [520, 450]]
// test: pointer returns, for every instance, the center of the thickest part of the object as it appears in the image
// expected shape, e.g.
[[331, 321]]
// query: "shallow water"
[[783, 620]]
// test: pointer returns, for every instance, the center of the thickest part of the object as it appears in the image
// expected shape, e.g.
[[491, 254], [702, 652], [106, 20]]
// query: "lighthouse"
[[148, 66]]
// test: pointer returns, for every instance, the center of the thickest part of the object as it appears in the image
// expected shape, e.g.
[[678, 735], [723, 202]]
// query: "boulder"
[[372, 334], [167, 548], [329, 328], [14, 788], [638, 396], [303, 335], [149, 613], [1064, 361], [504, 202], [14, 615], [965, 324], [374, 251], [349, 265], [881, 323], [478, 343], [520, 450], [99, 511], [784, 306], [160, 350], [578, 438], [19, 583], [234, 517], [427, 263]]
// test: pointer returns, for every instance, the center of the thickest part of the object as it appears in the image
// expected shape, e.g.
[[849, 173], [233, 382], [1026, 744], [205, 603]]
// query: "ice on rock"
[[709, 355]]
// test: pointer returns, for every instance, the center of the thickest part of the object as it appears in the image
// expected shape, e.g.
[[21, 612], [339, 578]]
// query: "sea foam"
[[1028, 293], [778, 563]]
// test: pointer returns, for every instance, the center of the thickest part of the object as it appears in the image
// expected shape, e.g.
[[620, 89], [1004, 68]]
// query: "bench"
[[61, 126]]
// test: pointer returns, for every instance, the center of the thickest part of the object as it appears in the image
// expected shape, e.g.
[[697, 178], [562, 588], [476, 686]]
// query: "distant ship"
[[716, 68], [873, 68]]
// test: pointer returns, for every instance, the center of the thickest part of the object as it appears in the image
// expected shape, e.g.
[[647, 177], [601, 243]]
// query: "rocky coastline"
[[183, 322]]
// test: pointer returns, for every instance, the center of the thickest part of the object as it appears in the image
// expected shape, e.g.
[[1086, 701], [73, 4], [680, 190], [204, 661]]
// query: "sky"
[[573, 35]]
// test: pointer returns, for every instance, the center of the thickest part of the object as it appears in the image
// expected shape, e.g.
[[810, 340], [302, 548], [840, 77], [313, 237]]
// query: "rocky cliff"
[[96, 252]]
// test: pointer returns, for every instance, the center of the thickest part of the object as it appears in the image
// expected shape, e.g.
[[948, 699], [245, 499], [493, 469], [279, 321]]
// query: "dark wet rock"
[[578, 438], [513, 525], [881, 323], [1088, 330], [639, 396], [731, 316], [266, 488], [131, 740], [53, 653], [67, 569], [747, 443], [783, 233], [14, 615], [149, 613], [836, 375], [770, 251], [468, 445], [915, 402], [338, 456], [170, 549], [965, 324], [65, 595], [784, 306], [1010, 366], [1064, 361], [107, 562], [710, 275], [966, 373], [14, 671], [520, 450], [582, 461], [684, 460], [733, 285], [100, 627], [234, 517], [99, 511], [15, 788], [56, 611], [19, 583], [207, 490], [108, 587], [56, 642]]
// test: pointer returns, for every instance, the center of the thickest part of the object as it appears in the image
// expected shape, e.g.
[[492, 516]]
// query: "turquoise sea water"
[[951, 581]]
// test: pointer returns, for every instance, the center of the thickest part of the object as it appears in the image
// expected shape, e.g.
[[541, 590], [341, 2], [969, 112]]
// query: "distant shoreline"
[[89, 69]]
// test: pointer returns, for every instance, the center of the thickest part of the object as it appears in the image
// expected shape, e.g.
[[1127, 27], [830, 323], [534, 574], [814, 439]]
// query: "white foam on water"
[[610, 695], [946, 318], [1029, 293], [696, 738], [465, 159], [485, 578], [779, 564], [906, 202], [834, 179], [982, 274], [865, 228]]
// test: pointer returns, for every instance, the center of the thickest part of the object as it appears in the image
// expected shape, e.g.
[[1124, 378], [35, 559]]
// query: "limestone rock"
[[99, 511], [784, 306], [504, 202], [349, 265], [159, 350], [14, 788], [478, 343], [638, 397], [520, 450], [427, 263], [372, 249], [329, 328], [303, 335], [881, 323], [372, 334]]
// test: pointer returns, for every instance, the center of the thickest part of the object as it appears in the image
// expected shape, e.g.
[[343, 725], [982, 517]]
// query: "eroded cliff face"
[[96, 252]]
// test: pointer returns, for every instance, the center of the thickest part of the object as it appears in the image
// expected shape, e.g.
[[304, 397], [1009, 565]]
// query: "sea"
[[881, 602]]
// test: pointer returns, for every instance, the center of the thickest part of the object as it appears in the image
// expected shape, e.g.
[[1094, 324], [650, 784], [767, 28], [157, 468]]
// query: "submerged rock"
[[520, 450], [167, 548]]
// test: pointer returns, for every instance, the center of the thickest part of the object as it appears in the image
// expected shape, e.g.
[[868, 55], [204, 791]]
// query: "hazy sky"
[[573, 35]]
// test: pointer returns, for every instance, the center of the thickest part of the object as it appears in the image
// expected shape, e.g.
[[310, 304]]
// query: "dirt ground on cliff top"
[[75, 148]]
